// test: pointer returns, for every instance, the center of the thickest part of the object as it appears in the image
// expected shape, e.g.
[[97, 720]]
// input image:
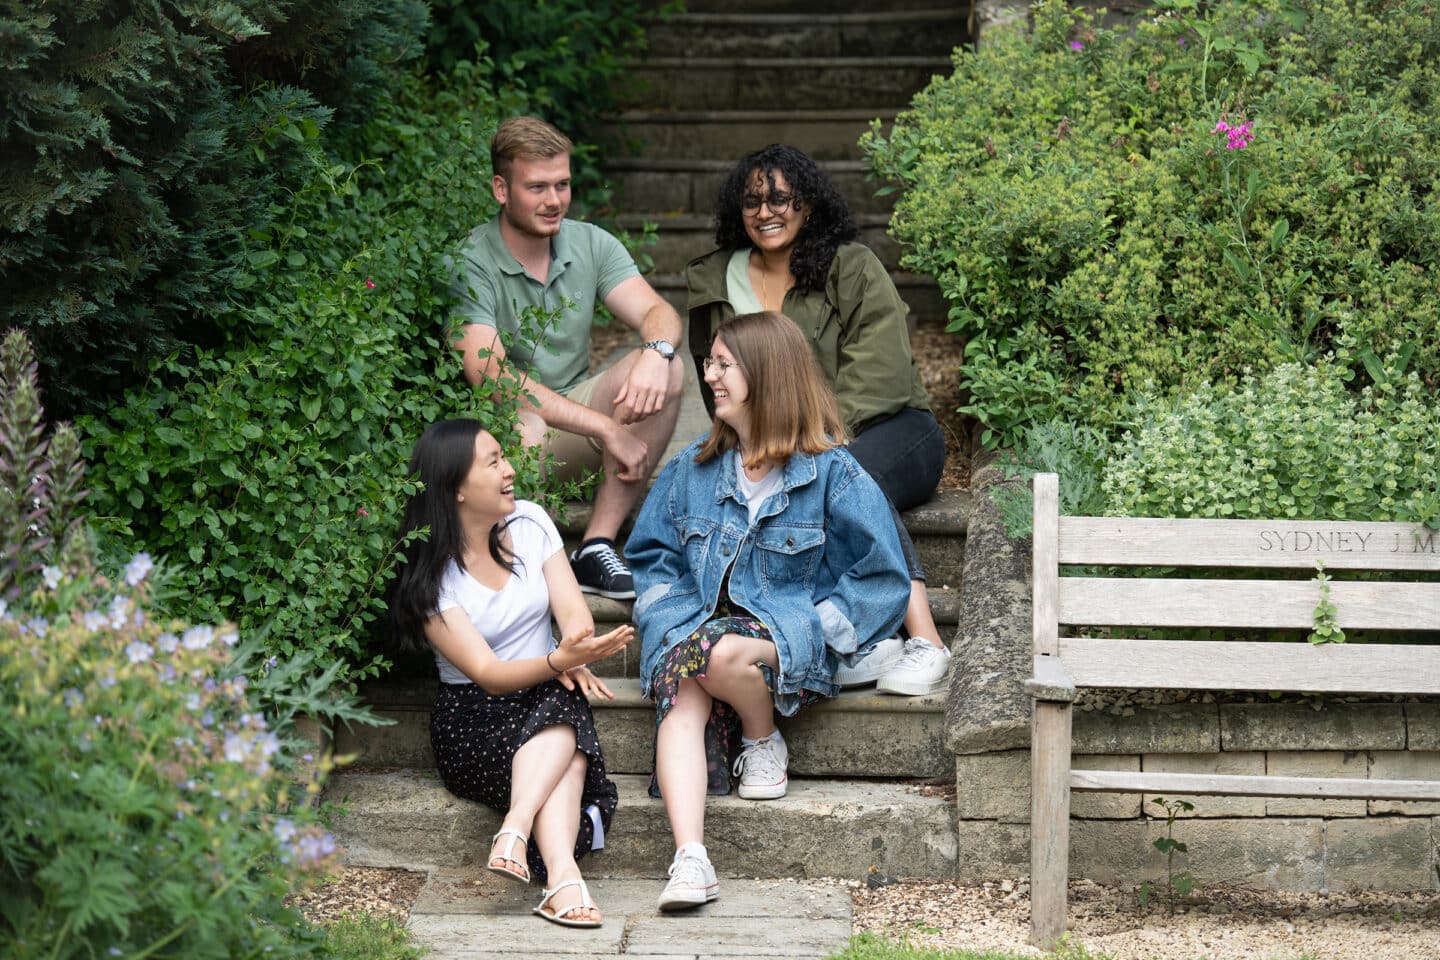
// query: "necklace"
[[764, 289]]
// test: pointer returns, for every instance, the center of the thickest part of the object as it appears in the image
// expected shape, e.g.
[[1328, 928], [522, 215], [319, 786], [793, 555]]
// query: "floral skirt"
[[475, 735], [690, 658]]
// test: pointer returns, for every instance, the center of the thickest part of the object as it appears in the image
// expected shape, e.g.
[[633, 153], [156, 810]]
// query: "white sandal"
[[562, 916], [523, 874]]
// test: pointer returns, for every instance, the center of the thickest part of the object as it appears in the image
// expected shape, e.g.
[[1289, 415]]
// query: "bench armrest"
[[1051, 682]]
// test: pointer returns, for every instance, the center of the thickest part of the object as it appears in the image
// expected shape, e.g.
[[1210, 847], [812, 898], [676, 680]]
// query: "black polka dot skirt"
[[475, 734]]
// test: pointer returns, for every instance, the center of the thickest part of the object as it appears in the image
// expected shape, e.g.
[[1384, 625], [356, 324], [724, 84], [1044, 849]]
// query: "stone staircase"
[[726, 78], [868, 771]]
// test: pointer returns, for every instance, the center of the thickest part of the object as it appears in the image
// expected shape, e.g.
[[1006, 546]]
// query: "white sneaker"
[[920, 670], [692, 882], [872, 665], [761, 769]]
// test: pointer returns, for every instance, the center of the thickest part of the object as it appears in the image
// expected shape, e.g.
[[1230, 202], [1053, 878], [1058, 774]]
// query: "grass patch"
[[365, 936]]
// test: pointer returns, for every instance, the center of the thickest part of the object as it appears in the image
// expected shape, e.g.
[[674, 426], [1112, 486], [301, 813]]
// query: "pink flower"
[[1237, 137], [361, 512], [369, 284], [1076, 45]]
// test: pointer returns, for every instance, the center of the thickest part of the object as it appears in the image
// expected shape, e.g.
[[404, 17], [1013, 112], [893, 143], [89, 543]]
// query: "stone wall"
[[1281, 844]]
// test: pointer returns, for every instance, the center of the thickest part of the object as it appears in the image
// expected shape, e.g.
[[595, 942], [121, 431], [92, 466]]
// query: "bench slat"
[[1150, 541], [1262, 604], [1244, 665], [1203, 784]]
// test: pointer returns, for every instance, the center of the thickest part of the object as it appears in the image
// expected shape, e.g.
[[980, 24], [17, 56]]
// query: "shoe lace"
[[610, 560], [688, 871], [918, 651], [761, 760]]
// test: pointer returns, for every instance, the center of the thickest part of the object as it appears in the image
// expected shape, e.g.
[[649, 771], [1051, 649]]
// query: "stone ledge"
[[1337, 725]]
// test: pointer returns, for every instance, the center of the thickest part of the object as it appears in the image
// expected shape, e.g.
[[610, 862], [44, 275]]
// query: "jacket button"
[[726, 551]]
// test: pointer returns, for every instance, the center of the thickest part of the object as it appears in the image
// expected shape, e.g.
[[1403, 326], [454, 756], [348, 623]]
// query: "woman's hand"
[[590, 685], [583, 646]]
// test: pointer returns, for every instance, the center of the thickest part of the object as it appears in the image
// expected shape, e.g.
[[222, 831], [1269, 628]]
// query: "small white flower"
[[52, 576], [138, 568], [139, 652], [198, 638]]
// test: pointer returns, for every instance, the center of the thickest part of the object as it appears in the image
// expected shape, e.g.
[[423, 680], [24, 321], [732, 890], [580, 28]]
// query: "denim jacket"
[[821, 567]]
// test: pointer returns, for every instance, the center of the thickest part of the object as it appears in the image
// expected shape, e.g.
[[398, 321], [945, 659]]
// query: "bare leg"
[[556, 827], [614, 498], [535, 771], [680, 762], [733, 677], [919, 621]]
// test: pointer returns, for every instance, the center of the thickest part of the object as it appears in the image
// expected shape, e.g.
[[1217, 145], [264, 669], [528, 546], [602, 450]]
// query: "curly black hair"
[[827, 225]]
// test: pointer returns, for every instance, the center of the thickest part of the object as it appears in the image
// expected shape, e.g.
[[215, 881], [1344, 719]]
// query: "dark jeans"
[[905, 455]]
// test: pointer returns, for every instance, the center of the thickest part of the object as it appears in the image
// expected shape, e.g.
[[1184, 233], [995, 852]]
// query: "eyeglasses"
[[777, 202], [711, 363]]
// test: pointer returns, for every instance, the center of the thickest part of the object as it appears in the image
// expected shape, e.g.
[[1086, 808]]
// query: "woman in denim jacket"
[[762, 556]]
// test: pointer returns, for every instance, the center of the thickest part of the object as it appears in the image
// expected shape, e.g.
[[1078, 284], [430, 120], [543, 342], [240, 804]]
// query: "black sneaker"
[[601, 571]]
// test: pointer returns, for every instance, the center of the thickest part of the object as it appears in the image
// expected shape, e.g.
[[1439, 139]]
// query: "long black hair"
[[828, 221], [443, 456]]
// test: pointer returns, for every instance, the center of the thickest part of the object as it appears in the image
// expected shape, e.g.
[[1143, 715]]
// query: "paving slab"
[[470, 912]]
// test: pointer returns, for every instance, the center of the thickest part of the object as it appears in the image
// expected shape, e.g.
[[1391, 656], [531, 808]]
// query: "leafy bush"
[[147, 804], [1292, 444], [1207, 193], [141, 143], [275, 468], [1076, 454]]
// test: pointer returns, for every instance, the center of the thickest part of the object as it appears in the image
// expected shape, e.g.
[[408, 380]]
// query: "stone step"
[[928, 307], [810, 34], [822, 828], [730, 134], [937, 527], [650, 188], [804, 83], [860, 733], [684, 236]]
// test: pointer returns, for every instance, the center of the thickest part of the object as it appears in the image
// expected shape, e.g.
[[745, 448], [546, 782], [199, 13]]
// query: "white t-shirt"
[[757, 491], [514, 620]]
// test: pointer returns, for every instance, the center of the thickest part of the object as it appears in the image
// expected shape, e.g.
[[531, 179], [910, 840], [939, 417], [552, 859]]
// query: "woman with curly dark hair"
[[787, 242]]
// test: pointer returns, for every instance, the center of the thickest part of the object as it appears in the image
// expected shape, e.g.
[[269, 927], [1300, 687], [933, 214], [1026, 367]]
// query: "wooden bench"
[[1063, 664]]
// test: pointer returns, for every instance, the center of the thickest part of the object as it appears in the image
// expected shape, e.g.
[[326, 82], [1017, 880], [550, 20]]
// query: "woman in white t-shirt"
[[511, 727]]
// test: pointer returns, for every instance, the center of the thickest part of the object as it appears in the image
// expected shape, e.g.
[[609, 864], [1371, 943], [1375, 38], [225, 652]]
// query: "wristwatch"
[[662, 347]]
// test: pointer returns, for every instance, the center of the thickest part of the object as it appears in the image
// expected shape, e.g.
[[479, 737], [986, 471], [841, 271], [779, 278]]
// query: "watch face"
[[662, 347]]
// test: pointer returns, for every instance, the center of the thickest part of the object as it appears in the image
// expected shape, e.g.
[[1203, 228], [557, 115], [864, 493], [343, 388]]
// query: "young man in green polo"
[[530, 255]]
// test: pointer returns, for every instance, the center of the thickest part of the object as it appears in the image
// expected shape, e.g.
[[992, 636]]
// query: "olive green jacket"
[[857, 325]]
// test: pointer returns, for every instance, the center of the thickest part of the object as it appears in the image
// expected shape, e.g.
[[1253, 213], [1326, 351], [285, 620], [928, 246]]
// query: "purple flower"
[[1076, 45], [73, 697], [284, 829], [119, 612], [35, 625], [168, 642], [94, 620], [139, 652], [138, 568], [198, 638]]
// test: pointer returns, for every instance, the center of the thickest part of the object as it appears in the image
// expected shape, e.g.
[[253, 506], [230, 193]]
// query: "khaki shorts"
[[575, 455]]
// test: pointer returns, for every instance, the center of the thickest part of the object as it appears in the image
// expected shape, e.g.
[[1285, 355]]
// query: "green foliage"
[[568, 55], [141, 143], [41, 480], [1075, 453], [1294, 444], [147, 770], [1179, 884], [275, 466], [1326, 628], [369, 937], [1093, 228]]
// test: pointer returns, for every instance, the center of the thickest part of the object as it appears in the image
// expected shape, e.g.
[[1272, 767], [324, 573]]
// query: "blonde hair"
[[792, 408], [528, 137]]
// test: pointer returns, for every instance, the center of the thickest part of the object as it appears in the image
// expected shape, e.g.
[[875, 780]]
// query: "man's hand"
[[643, 392], [630, 452]]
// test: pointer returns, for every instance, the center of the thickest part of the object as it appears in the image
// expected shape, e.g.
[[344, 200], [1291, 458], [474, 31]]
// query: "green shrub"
[[274, 469], [1295, 443], [1093, 226], [147, 784], [141, 143]]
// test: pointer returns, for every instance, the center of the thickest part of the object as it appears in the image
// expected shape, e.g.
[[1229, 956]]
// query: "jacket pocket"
[[790, 553], [695, 538]]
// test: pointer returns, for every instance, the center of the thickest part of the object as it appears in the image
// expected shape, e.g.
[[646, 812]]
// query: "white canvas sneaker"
[[873, 665], [692, 882], [921, 669], [761, 769]]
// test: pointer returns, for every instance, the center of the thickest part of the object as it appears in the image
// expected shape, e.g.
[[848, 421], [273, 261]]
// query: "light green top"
[[586, 263], [738, 289]]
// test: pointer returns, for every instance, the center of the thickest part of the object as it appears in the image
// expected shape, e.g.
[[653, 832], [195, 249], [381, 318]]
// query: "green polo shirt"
[[586, 263]]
